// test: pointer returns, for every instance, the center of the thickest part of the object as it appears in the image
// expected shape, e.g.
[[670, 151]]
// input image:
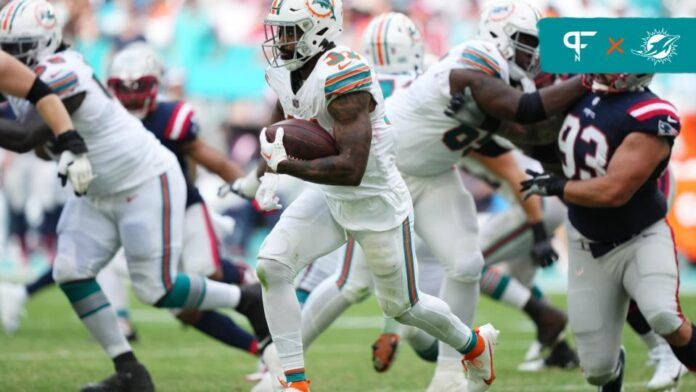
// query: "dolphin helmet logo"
[[659, 47]]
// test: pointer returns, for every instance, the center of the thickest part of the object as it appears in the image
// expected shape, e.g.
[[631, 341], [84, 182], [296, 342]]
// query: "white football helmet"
[[134, 78], [393, 44], [308, 25], [512, 26], [29, 30]]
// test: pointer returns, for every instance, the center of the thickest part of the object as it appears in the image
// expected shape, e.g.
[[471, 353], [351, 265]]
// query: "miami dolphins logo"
[[659, 47], [45, 16], [321, 8]]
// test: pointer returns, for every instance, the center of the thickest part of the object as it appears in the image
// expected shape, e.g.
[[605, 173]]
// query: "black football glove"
[[542, 250], [455, 105], [543, 184]]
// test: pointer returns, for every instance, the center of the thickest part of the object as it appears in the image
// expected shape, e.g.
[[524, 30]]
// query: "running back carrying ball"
[[305, 140]]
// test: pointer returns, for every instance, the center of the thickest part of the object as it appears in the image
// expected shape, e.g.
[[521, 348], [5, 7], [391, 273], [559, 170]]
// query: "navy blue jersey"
[[590, 135], [174, 125]]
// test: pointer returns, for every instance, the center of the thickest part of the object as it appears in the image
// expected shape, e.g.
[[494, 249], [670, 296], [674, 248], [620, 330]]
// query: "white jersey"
[[381, 201], [390, 83], [429, 141], [122, 152]]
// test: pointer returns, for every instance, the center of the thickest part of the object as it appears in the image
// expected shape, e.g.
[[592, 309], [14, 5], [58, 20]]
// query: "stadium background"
[[211, 49]]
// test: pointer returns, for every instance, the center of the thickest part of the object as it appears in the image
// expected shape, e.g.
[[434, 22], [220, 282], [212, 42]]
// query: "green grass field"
[[53, 352]]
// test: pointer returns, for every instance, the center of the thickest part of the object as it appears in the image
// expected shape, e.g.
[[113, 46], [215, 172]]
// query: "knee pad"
[[664, 322], [600, 372], [466, 267], [272, 271]]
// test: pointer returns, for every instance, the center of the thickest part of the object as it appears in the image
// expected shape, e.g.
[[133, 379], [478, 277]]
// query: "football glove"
[[273, 153], [463, 108], [543, 184], [245, 187], [542, 250], [73, 164], [266, 194]]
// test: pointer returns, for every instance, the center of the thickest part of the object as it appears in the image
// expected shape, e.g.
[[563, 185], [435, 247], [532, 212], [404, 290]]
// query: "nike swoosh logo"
[[670, 119], [266, 156], [490, 380], [344, 66]]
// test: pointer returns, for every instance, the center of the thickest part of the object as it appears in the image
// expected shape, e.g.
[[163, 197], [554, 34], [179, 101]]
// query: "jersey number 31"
[[593, 152]]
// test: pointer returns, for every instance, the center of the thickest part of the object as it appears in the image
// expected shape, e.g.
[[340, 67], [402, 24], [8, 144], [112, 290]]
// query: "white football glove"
[[245, 187], [273, 153], [77, 169], [266, 194]]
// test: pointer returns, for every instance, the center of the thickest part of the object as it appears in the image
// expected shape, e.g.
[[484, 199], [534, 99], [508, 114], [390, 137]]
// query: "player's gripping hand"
[[245, 187], [543, 184], [73, 164], [273, 153], [542, 250], [266, 194]]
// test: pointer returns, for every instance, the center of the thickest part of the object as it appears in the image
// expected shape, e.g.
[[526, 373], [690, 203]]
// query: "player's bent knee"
[[65, 271], [396, 310], [664, 322], [272, 272], [466, 268]]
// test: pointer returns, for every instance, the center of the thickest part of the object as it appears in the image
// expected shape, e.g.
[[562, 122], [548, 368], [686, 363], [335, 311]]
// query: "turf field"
[[53, 352]]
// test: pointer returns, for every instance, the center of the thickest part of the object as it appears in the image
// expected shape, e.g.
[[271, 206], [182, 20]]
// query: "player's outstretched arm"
[[33, 131], [18, 80], [631, 166], [213, 160], [499, 100], [353, 134]]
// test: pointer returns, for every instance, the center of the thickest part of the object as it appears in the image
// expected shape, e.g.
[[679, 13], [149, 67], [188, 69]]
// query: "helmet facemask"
[[525, 56], [285, 44], [138, 96], [27, 50]]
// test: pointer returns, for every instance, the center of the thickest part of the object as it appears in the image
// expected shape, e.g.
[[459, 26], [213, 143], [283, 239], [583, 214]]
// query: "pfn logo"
[[576, 43]]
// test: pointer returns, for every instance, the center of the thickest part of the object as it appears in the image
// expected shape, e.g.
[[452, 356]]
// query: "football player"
[[134, 79], [615, 143], [445, 197], [136, 199], [360, 194]]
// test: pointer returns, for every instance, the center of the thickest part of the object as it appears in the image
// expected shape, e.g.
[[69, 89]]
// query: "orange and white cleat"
[[384, 351], [478, 364], [296, 386]]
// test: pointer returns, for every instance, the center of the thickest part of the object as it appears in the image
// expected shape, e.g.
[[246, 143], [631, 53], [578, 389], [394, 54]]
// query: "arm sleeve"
[[656, 117], [62, 76], [182, 125], [356, 76]]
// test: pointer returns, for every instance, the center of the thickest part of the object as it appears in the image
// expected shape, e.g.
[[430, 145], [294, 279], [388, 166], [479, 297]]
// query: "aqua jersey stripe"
[[338, 76], [478, 63], [491, 61], [65, 86], [333, 88]]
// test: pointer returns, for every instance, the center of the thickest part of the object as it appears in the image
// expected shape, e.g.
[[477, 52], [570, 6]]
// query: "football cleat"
[[297, 386], [384, 351], [134, 379], [12, 299], [562, 356], [448, 377], [668, 369], [478, 364]]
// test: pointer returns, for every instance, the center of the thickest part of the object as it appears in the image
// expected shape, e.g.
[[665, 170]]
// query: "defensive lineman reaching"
[[361, 195], [615, 143], [136, 199]]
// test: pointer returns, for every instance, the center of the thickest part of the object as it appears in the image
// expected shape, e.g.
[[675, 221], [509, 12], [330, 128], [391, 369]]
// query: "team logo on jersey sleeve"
[[321, 8], [659, 46]]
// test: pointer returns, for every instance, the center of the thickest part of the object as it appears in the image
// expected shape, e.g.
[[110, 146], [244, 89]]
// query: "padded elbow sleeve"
[[530, 109]]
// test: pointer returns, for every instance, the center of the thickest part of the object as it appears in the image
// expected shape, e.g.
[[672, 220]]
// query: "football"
[[304, 140]]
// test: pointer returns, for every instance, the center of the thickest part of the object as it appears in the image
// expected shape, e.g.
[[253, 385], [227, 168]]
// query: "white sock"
[[462, 298], [282, 312], [652, 339], [516, 294], [114, 288], [219, 295], [417, 338], [103, 325], [322, 308], [433, 316]]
